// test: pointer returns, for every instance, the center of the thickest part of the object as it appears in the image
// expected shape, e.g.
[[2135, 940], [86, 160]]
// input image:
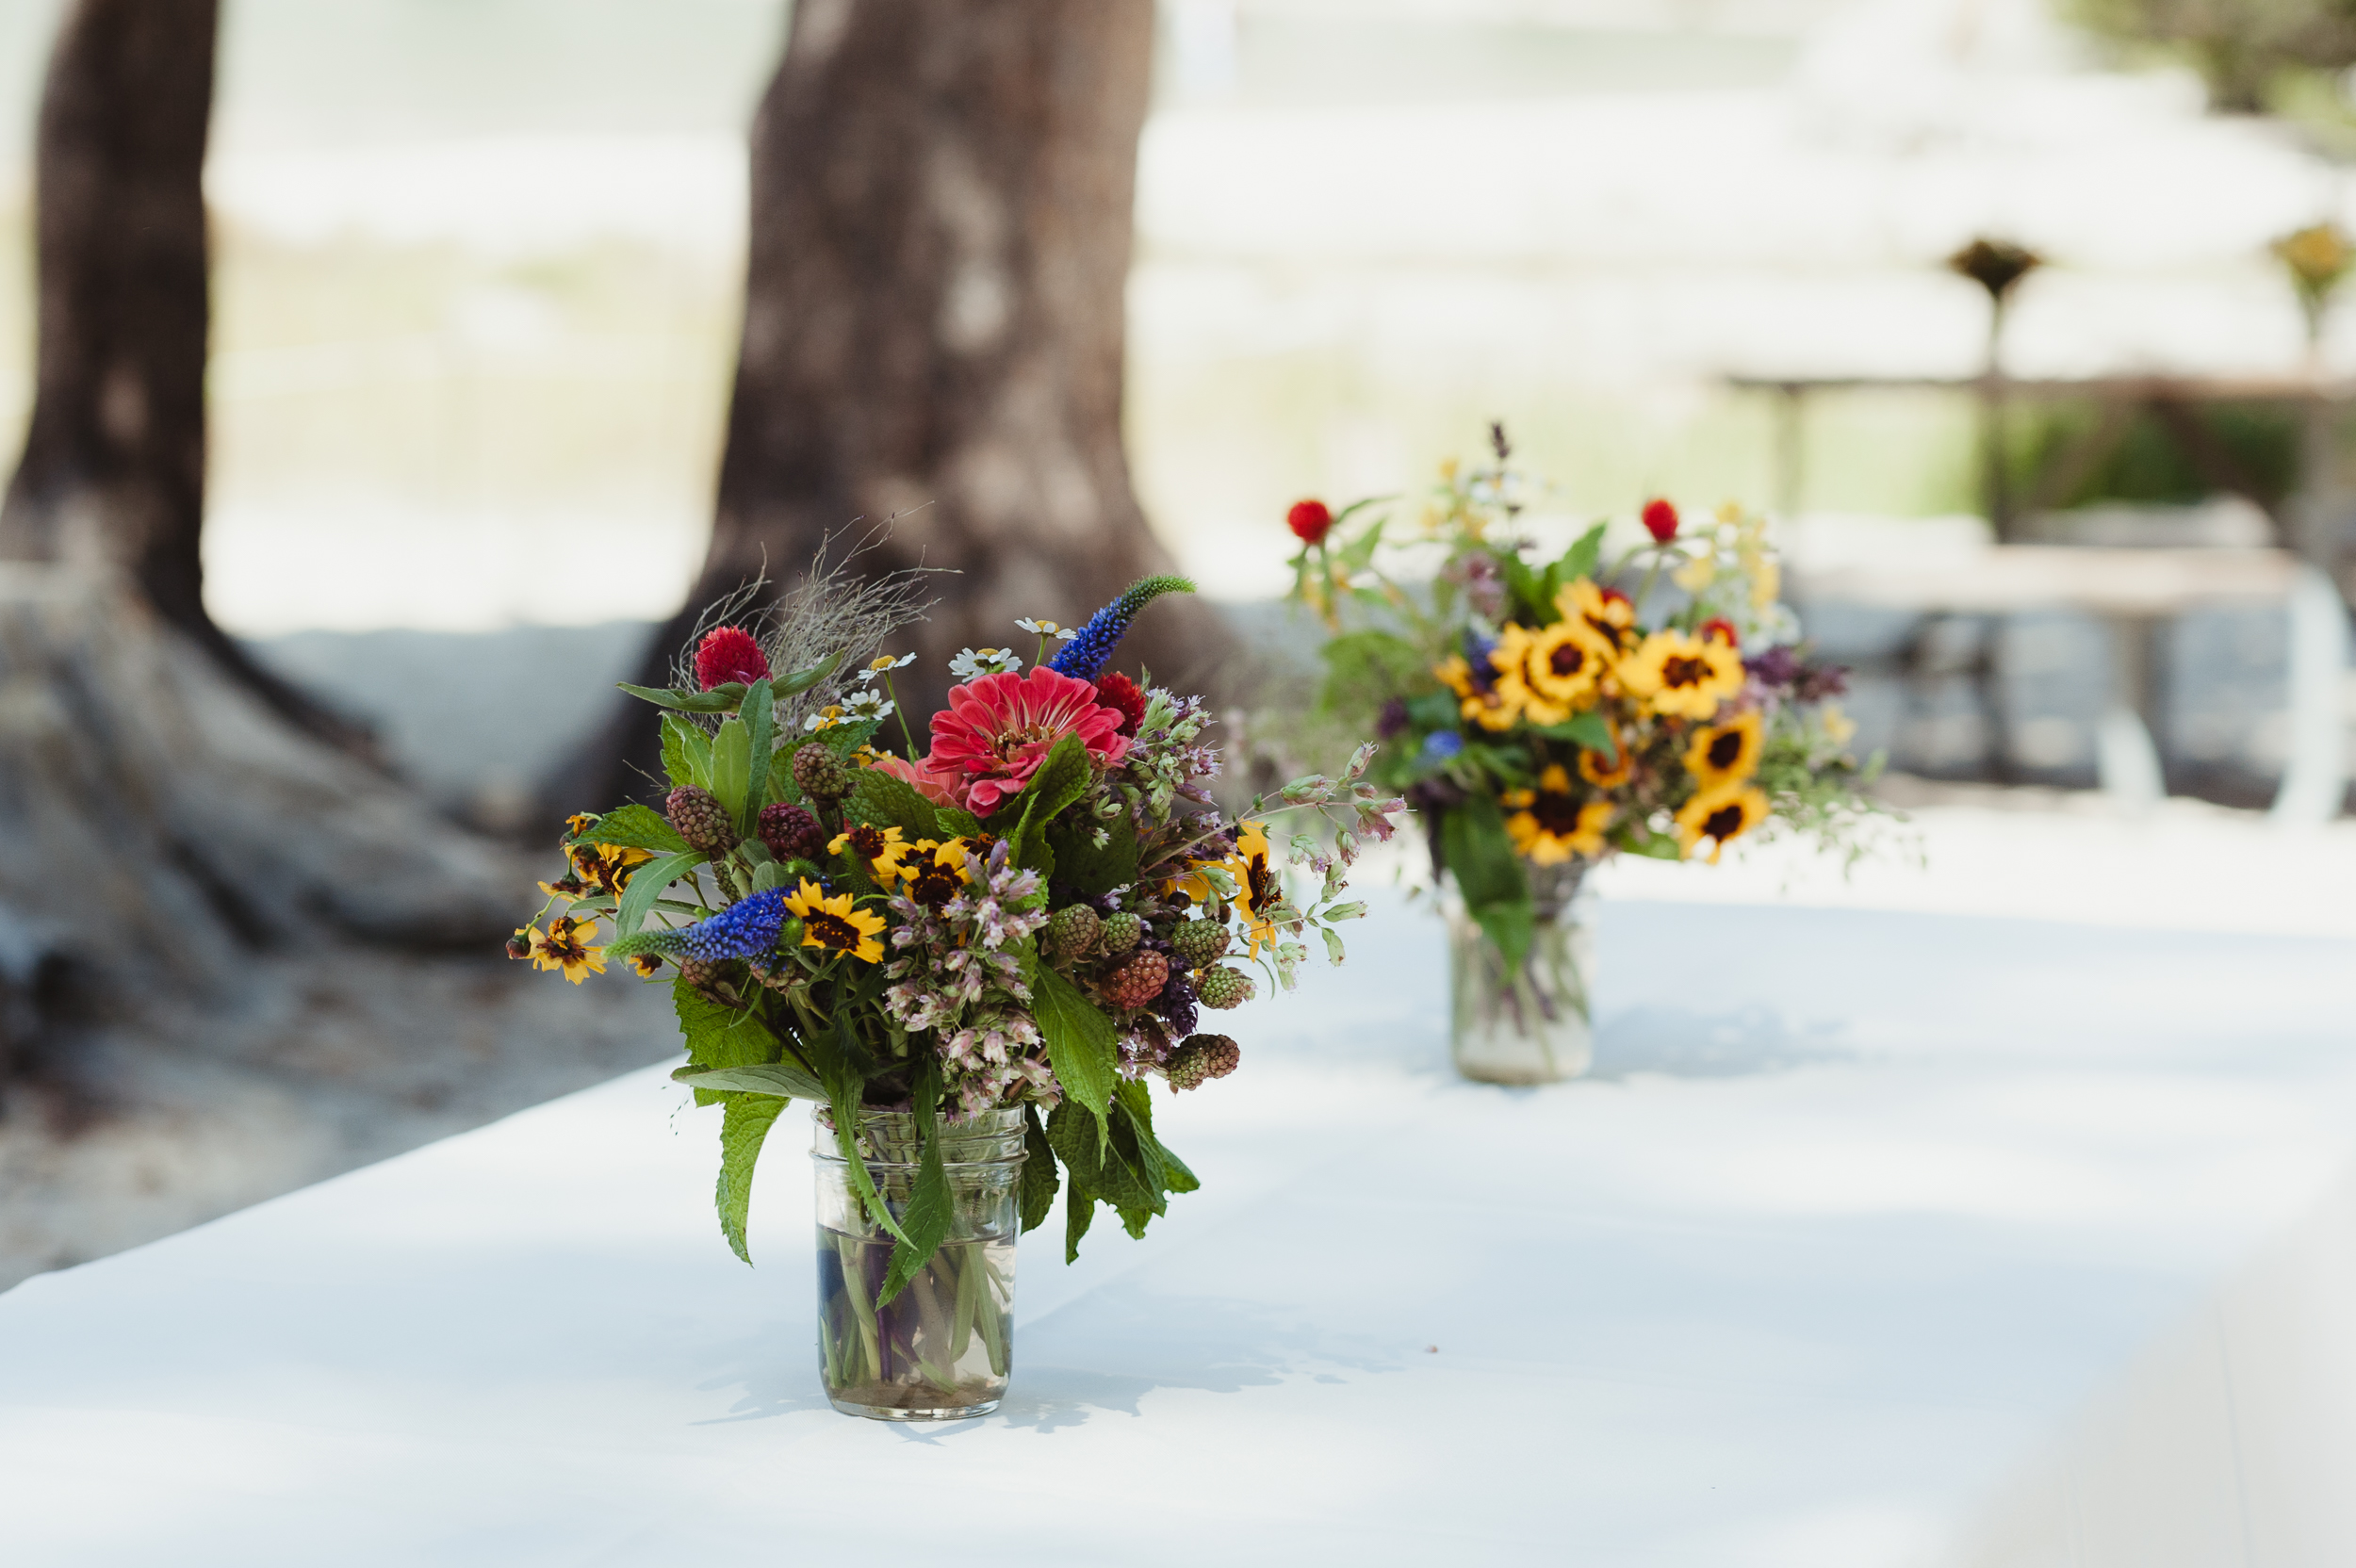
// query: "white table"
[[1863, 1206]]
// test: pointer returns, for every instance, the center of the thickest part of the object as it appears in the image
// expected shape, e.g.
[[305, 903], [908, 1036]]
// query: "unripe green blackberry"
[[1223, 988], [1071, 929], [700, 819], [822, 774], [1202, 1058], [1199, 944], [1137, 982], [1120, 934]]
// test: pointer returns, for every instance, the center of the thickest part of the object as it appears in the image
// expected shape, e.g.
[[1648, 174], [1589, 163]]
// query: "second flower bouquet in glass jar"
[[972, 961], [1547, 713]]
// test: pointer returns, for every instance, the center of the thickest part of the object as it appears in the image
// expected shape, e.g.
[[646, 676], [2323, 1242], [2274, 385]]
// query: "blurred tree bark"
[[941, 226], [114, 470], [164, 818]]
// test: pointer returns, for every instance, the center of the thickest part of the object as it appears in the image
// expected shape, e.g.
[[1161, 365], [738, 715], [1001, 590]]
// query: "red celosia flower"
[[1661, 519], [729, 653], [1309, 520], [998, 729], [1123, 693], [1722, 629]]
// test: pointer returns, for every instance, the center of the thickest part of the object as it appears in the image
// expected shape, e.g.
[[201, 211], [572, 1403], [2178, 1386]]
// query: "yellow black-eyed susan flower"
[[1611, 769], [880, 849], [606, 868], [837, 923], [648, 965], [1720, 816], [1681, 677], [1488, 702], [564, 946], [578, 823], [1256, 884], [1606, 611], [1564, 664], [1550, 824], [936, 871], [1727, 753]]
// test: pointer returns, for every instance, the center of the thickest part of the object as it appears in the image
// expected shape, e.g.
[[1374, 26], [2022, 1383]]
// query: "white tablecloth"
[[1859, 1209]]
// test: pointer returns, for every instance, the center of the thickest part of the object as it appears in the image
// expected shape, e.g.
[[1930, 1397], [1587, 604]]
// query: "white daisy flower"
[[1049, 629], [975, 663], [883, 662]]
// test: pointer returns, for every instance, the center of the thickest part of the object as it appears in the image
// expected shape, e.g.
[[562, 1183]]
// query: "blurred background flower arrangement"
[[1652, 699]]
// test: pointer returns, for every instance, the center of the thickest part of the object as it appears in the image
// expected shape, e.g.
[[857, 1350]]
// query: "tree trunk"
[[942, 199], [114, 470]]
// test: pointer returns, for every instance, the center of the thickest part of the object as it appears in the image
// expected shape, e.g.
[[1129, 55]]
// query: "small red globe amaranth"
[[1722, 629], [1661, 520], [1309, 520], [729, 653], [1116, 690]]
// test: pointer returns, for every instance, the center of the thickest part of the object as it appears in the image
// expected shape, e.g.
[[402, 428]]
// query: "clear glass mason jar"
[[941, 1349], [1533, 1027]]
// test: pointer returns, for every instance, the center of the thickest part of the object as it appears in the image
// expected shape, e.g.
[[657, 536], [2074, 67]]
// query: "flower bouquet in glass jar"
[[1548, 713], [972, 962]]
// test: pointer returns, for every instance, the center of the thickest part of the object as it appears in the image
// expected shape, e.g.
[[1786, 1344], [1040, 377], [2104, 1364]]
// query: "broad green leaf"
[[760, 716], [1061, 779], [840, 1070], [784, 1079], [1581, 559], [686, 752], [1079, 1208], [1435, 711], [925, 1220], [1080, 863], [1079, 1039], [1488, 873], [718, 1035], [744, 1123], [781, 784], [878, 798], [731, 767], [636, 827], [1589, 729], [1527, 589], [799, 682], [1365, 669], [1038, 1172], [647, 885], [959, 823], [720, 699]]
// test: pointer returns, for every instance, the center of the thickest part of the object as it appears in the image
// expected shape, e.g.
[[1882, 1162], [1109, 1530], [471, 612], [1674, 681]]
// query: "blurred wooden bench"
[[2136, 592]]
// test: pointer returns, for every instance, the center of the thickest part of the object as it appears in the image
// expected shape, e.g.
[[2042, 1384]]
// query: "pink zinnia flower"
[[939, 787], [998, 729]]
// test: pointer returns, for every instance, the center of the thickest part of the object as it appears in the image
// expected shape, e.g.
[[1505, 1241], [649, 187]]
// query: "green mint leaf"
[[925, 1219], [1038, 1172], [1080, 1044], [636, 828], [743, 1124]]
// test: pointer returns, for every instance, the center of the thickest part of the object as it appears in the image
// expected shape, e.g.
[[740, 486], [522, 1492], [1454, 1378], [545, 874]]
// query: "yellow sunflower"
[[1606, 612], [935, 873], [1550, 826], [1681, 677], [1721, 816], [564, 946], [880, 849], [1497, 707], [1727, 753], [837, 923], [1256, 884], [1564, 664]]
